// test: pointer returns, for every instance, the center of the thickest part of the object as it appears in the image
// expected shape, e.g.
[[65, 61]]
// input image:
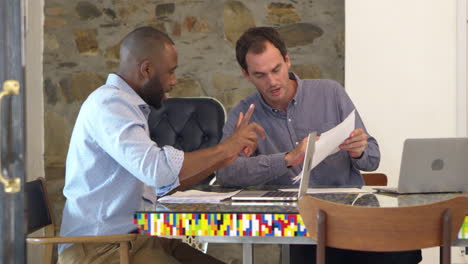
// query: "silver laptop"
[[432, 165], [261, 195]]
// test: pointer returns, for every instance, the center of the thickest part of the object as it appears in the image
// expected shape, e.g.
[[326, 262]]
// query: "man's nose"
[[271, 80]]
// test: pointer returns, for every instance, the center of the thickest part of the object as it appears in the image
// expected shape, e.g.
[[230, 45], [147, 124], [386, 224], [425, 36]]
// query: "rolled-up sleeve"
[[175, 160]]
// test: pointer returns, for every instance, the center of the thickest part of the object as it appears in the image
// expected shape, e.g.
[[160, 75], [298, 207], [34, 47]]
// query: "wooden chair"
[[39, 215], [374, 179], [383, 229]]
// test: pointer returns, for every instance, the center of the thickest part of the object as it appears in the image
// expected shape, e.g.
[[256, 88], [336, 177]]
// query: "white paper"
[[330, 141], [387, 200], [194, 196], [253, 203], [332, 190]]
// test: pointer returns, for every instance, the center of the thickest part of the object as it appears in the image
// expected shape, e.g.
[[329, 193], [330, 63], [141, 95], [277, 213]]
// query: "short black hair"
[[143, 40], [254, 40]]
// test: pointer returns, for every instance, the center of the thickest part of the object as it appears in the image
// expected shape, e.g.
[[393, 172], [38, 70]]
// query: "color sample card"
[[220, 224]]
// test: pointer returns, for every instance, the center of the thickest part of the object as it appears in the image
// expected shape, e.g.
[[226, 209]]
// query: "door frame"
[[461, 68], [12, 126]]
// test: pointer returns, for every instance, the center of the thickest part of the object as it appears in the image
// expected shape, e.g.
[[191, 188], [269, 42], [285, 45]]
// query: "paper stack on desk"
[[194, 196]]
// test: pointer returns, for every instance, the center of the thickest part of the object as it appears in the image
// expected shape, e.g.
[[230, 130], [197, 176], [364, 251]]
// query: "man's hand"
[[296, 156], [242, 121], [200, 163], [356, 143], [245, 136]]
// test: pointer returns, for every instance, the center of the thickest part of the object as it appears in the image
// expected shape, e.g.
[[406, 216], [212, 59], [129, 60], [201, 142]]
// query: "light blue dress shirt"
[[111, 161]]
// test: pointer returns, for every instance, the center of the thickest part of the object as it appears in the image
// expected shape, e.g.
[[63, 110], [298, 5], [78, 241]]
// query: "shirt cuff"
[[361, 161], [277, 164], [175, 158]]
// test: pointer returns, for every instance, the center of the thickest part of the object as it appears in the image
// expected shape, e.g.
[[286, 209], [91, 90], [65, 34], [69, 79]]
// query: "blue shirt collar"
[[298, 94], [119, 83]]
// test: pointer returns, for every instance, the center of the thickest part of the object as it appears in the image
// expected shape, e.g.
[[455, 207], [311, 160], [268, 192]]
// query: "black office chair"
[[188, 124]]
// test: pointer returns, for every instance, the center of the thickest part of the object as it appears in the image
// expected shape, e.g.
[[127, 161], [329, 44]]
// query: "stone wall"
[[81, 40]]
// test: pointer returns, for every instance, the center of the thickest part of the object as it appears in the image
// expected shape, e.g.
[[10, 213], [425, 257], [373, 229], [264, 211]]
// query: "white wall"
[[34, 89], [34, 103], [401, 71]]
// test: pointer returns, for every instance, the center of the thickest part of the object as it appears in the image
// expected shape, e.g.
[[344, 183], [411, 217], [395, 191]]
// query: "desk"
[[278, 224]]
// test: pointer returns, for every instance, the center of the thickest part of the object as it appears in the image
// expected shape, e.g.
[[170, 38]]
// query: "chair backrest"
[[375, 179], [382, 229], [40, 215], [187, 124], [38, 210]]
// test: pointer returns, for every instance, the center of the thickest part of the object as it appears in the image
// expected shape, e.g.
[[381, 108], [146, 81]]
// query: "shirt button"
[[297, 143], [295, 102], [289, 119]]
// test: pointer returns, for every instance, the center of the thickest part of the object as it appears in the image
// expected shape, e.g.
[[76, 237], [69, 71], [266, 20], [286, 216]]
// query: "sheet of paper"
[[330, 141], [253, 203], [194, 196], [387, 200], [332, 190]]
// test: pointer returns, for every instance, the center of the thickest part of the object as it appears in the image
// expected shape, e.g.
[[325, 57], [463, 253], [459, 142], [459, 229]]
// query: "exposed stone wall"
[[82, 43]]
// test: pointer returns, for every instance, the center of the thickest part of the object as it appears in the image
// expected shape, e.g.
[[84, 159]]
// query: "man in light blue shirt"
[[111, 159]]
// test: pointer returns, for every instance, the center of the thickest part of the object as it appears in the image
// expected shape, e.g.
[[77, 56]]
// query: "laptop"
[[432, 165], [262, 195]]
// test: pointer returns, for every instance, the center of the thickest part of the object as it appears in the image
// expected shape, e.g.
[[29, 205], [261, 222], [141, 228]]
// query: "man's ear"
[[287, 61], [145, 69], [246, 74]]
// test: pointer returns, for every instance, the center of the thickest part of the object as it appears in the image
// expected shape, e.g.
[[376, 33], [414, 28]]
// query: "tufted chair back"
[[187, 124]]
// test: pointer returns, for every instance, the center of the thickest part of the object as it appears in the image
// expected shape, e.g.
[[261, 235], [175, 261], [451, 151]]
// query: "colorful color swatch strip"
[[219, 224], [464, 229]]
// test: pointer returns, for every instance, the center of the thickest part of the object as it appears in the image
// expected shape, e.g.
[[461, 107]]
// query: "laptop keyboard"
[[280, 194]]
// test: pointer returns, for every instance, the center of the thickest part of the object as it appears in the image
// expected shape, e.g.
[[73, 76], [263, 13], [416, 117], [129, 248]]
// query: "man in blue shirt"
[[289, 108], [112, 161]]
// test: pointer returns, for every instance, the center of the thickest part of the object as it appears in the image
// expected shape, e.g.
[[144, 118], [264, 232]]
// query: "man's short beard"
[[152, 92]]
